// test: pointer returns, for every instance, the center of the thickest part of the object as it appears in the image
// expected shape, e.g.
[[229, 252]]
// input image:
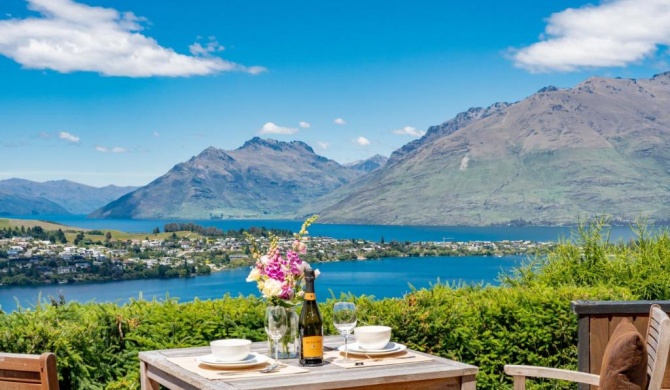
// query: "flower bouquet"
[[279, 274]]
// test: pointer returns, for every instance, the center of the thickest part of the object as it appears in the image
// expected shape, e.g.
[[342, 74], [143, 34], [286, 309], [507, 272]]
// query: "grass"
[[71, 231], [30, 223]]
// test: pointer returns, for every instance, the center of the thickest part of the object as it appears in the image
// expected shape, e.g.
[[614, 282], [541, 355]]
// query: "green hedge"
[[97, 344]]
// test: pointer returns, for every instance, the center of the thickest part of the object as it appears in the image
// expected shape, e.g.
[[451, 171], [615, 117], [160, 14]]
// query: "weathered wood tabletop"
[[437, 373]]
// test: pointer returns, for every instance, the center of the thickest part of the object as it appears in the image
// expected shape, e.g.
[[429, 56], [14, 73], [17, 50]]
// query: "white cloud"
[[362, 141], [116, 149], [68, 137], [271, 128], [212, 46], [44, 134], [340, 121], [69, 37], [304, 125], [615, 33], [409, 130], [323, 145], [156, 134]]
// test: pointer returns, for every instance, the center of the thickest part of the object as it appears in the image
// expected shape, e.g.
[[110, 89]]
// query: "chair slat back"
[[28, 372], [658, 345]]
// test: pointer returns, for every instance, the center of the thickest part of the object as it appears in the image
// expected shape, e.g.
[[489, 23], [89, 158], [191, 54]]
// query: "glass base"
[[288, 344]]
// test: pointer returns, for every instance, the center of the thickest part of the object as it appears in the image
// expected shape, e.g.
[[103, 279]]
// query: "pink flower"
[[299, 247], [280, 272]]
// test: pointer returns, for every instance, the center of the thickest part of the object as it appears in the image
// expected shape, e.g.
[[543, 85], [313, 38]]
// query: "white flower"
[[265, 259], [303, 266], [254, 275], [271, 288]]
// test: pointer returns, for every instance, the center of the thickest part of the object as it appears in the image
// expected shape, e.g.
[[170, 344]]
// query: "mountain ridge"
[[600, 148], [262, 178], [70, 197]]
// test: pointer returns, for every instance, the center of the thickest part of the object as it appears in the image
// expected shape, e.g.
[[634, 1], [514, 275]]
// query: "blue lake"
[[385, 278], [382, 278], [366, 232]]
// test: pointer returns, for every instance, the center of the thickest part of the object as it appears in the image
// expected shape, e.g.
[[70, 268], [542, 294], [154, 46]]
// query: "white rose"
[[272, 288], [254, 275]]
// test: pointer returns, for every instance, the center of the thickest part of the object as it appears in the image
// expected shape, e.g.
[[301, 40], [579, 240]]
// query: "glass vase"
[[288, 344]]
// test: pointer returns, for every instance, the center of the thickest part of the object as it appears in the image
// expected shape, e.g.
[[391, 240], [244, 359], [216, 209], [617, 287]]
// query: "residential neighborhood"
[[27, 260]]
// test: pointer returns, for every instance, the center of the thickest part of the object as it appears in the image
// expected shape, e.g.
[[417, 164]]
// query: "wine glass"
[[344, 319], [275, 326]]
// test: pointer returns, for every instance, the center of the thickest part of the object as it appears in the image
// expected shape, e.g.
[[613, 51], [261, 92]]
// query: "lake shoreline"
[[382, 278]]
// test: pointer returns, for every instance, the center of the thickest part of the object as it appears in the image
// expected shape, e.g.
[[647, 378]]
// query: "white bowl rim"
[[372, 328], [230, 342]]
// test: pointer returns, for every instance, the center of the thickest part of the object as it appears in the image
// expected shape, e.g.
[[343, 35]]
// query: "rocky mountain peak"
[[212, 153], [368, 165], [549, 88], [258, 143]]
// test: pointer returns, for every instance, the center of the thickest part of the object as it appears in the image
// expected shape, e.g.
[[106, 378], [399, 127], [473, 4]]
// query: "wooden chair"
[[658, 344], [28, 372]]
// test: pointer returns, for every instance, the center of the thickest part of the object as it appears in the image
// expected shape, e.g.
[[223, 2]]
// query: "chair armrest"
[[552, 373]]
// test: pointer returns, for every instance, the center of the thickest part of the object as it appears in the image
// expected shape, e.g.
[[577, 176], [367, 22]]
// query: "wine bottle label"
[[310, 296], [312, 347]]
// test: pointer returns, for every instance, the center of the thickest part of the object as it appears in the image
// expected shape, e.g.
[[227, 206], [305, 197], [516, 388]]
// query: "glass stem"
[[346, 347], [277, 351]]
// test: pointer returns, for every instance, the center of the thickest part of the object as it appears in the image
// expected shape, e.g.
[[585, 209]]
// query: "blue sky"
[[117, 92]]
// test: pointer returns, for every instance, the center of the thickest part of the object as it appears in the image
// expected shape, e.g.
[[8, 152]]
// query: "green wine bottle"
[[310, 326]]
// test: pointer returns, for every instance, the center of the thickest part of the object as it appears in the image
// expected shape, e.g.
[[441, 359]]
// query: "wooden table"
[[438, 373]]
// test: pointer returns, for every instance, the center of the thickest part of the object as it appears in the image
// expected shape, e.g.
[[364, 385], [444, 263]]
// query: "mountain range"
[[25, 197], [601, 148], [263, 178]]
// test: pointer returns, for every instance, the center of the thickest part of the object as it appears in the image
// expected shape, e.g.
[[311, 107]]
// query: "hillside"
[[600, 148], [11, 204], [261, 179]]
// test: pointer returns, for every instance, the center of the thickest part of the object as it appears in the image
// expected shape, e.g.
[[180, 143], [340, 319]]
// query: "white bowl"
[[231, 349], [372, 337]]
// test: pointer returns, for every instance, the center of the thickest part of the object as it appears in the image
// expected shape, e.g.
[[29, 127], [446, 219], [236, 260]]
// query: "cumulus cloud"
[[304, 125], [115, 149], [362, 141], [409, 130], [615, 33], [271, 128], [69, 37], [71, 138], [322, 144], [340, 121]]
